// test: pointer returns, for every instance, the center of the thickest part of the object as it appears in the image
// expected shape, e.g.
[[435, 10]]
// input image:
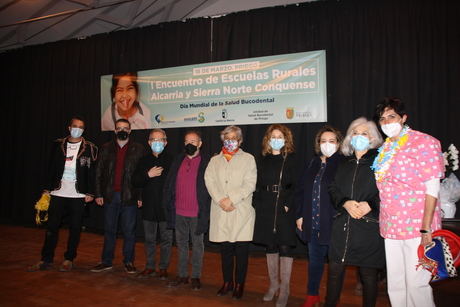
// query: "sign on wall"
[[289, 88]]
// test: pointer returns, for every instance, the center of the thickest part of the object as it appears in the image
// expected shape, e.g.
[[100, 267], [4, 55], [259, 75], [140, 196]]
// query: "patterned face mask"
[[231, 145]]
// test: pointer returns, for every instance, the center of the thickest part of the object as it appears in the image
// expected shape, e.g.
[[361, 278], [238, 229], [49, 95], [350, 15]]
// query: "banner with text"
[[288, 88]]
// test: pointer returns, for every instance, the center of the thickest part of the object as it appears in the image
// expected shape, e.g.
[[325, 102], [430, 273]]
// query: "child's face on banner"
[[125, 94]]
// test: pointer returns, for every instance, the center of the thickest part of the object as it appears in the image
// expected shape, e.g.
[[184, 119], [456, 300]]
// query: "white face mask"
[[392, 130], [328, 149]]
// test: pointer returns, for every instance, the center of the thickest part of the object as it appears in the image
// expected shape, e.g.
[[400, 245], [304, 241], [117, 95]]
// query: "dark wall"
[[408, 49]]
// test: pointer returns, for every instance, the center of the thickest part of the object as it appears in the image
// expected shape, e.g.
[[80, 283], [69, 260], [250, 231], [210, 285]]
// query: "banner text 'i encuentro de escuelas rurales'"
[[289, 88]]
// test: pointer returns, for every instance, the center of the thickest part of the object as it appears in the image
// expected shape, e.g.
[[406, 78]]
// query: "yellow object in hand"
[[42, 205]]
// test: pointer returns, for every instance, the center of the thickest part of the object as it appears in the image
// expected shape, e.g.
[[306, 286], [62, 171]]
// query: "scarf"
[[229, 154]]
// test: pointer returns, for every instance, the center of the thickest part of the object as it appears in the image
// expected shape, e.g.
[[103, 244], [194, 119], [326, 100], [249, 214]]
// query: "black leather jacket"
[[85, 166], [105, 172]]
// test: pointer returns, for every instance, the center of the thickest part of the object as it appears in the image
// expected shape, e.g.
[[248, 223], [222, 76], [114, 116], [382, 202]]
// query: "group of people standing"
[[360, 198]]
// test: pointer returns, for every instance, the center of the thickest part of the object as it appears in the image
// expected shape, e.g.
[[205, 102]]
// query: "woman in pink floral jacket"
[[408, 170]]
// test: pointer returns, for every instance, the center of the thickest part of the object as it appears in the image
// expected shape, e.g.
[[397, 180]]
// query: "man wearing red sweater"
[[187, 204], [116, 193]]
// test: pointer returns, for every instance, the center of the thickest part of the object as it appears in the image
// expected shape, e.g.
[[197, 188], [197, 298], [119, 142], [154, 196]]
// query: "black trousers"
[[235, 261], [61, 207], [336, 274]]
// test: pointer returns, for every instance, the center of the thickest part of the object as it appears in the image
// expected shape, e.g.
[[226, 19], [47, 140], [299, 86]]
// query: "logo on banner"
[[159, 118], [201, 117], [224, 114], [289, 113]]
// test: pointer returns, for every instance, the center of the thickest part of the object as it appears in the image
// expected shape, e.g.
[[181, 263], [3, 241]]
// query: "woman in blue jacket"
[[315, 210]]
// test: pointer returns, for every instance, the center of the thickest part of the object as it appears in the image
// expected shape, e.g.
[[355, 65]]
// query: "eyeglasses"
[[122, 129], [157, 140]]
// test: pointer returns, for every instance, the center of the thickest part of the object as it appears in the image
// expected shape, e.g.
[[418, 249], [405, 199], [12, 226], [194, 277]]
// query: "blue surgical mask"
[[157, 147], [276, 144], [231, 145], [76, 132], [360, 142]]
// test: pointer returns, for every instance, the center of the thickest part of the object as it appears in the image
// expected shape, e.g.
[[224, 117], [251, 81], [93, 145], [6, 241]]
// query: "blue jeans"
[[316, 259], [127, 214]]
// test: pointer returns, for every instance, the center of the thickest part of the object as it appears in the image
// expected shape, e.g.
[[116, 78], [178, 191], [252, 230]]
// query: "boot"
[[311, 301], [285, 274], [238, 291], [273, 273], [226, 287]]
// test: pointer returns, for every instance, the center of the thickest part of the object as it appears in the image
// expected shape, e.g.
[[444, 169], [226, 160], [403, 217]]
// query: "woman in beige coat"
[[231, 179]]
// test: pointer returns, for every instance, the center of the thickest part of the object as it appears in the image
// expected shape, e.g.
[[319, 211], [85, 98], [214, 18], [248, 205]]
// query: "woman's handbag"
[[442, 256], [41, 206]]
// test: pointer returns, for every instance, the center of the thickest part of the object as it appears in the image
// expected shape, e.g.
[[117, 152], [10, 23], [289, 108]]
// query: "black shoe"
[[40, 266], [101, 267], [146, 273], [196, 284], [238, 291], [177, 282], [163, 274], [130, 268], [226, 287]]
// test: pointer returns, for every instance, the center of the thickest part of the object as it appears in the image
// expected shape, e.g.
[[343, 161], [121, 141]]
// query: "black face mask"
[[122, 135], [190, 149]]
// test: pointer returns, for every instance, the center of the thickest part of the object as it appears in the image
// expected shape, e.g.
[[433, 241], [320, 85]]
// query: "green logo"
[[201, 117]]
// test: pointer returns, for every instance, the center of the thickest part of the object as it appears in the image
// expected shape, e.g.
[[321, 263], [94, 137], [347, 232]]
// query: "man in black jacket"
[[187, 203], [150, 177], [70, 183], [115, 191]]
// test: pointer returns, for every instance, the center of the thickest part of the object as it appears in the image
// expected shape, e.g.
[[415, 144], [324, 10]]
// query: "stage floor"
[[20, 247]]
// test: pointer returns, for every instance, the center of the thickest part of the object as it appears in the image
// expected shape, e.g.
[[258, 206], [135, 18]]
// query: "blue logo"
[[159, 118]]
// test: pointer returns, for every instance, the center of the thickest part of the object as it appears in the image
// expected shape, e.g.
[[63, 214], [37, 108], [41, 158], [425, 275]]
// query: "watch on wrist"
[[424, 231]]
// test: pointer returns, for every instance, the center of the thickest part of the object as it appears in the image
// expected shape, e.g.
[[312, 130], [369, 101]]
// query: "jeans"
[[316, 258], [60, 207], [230, 252], [166, 238], [185, 229], [127, 215]]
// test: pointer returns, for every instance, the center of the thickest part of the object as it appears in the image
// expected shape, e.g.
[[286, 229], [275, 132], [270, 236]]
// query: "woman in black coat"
[[275, 214], [356, 238], [314, 207]]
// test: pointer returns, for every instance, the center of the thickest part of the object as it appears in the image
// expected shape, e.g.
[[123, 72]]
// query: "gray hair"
[[158, 130], [236, 129], [375, 137]]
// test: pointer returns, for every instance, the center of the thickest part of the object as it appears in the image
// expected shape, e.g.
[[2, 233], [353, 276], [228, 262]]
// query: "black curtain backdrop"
[[408, 49]]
